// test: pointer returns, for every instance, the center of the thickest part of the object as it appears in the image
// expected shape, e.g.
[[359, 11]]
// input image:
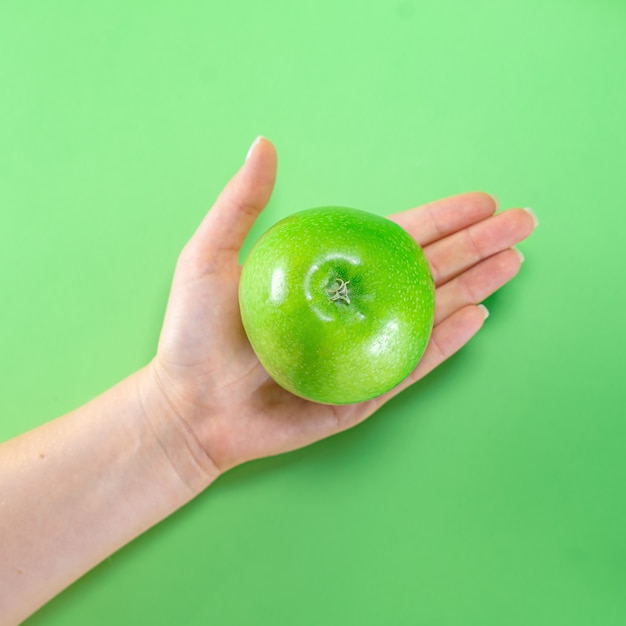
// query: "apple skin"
[[337, 303]]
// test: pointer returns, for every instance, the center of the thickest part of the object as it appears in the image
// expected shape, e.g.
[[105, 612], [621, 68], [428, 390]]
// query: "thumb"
[[227, 223]]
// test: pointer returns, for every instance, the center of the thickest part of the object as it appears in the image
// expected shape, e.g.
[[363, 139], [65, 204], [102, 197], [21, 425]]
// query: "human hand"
[[206, 377]]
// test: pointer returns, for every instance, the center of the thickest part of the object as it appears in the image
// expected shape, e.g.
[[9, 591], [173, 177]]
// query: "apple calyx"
[[339, 291]]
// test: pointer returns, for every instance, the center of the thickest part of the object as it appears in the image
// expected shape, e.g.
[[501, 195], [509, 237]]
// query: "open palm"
[[208, 375]]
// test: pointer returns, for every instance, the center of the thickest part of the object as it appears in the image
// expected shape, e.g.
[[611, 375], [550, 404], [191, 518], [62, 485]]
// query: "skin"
[[80, 487]]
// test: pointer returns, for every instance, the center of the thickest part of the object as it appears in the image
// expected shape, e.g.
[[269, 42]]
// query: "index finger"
[[435, 220]]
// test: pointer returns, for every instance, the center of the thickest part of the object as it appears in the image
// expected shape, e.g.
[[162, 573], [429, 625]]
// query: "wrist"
[[80, 487], [173, 433]]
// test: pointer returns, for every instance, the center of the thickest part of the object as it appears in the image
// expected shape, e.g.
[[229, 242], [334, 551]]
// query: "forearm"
[[77, 489]]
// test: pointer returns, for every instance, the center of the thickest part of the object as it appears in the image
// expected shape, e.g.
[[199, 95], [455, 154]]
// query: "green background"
[[492, 493]]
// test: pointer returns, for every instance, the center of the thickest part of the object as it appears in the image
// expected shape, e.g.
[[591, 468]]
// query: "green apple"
[[337, 303]]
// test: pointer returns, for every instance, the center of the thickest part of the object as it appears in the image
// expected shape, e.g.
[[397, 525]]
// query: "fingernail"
[[533, 215], [496, 201], [253, 146], [519, 254], [485, 310]]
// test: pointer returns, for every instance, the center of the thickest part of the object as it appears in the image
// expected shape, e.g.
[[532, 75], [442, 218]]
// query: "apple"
[[337, 303]]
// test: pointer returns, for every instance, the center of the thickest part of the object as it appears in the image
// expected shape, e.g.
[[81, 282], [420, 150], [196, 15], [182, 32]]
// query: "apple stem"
[[339, 291]]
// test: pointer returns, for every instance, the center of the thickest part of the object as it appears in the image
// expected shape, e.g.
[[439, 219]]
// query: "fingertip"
[[262, 150], [526, 222], [496, 202], [533, 215], [489, 203], [253, 146], [258, 174], [519, 254]]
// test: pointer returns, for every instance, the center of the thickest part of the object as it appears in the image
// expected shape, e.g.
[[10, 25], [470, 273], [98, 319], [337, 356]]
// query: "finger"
[[456, 253], [436, 220], [477, 283], [447, 338], [237, 207]]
